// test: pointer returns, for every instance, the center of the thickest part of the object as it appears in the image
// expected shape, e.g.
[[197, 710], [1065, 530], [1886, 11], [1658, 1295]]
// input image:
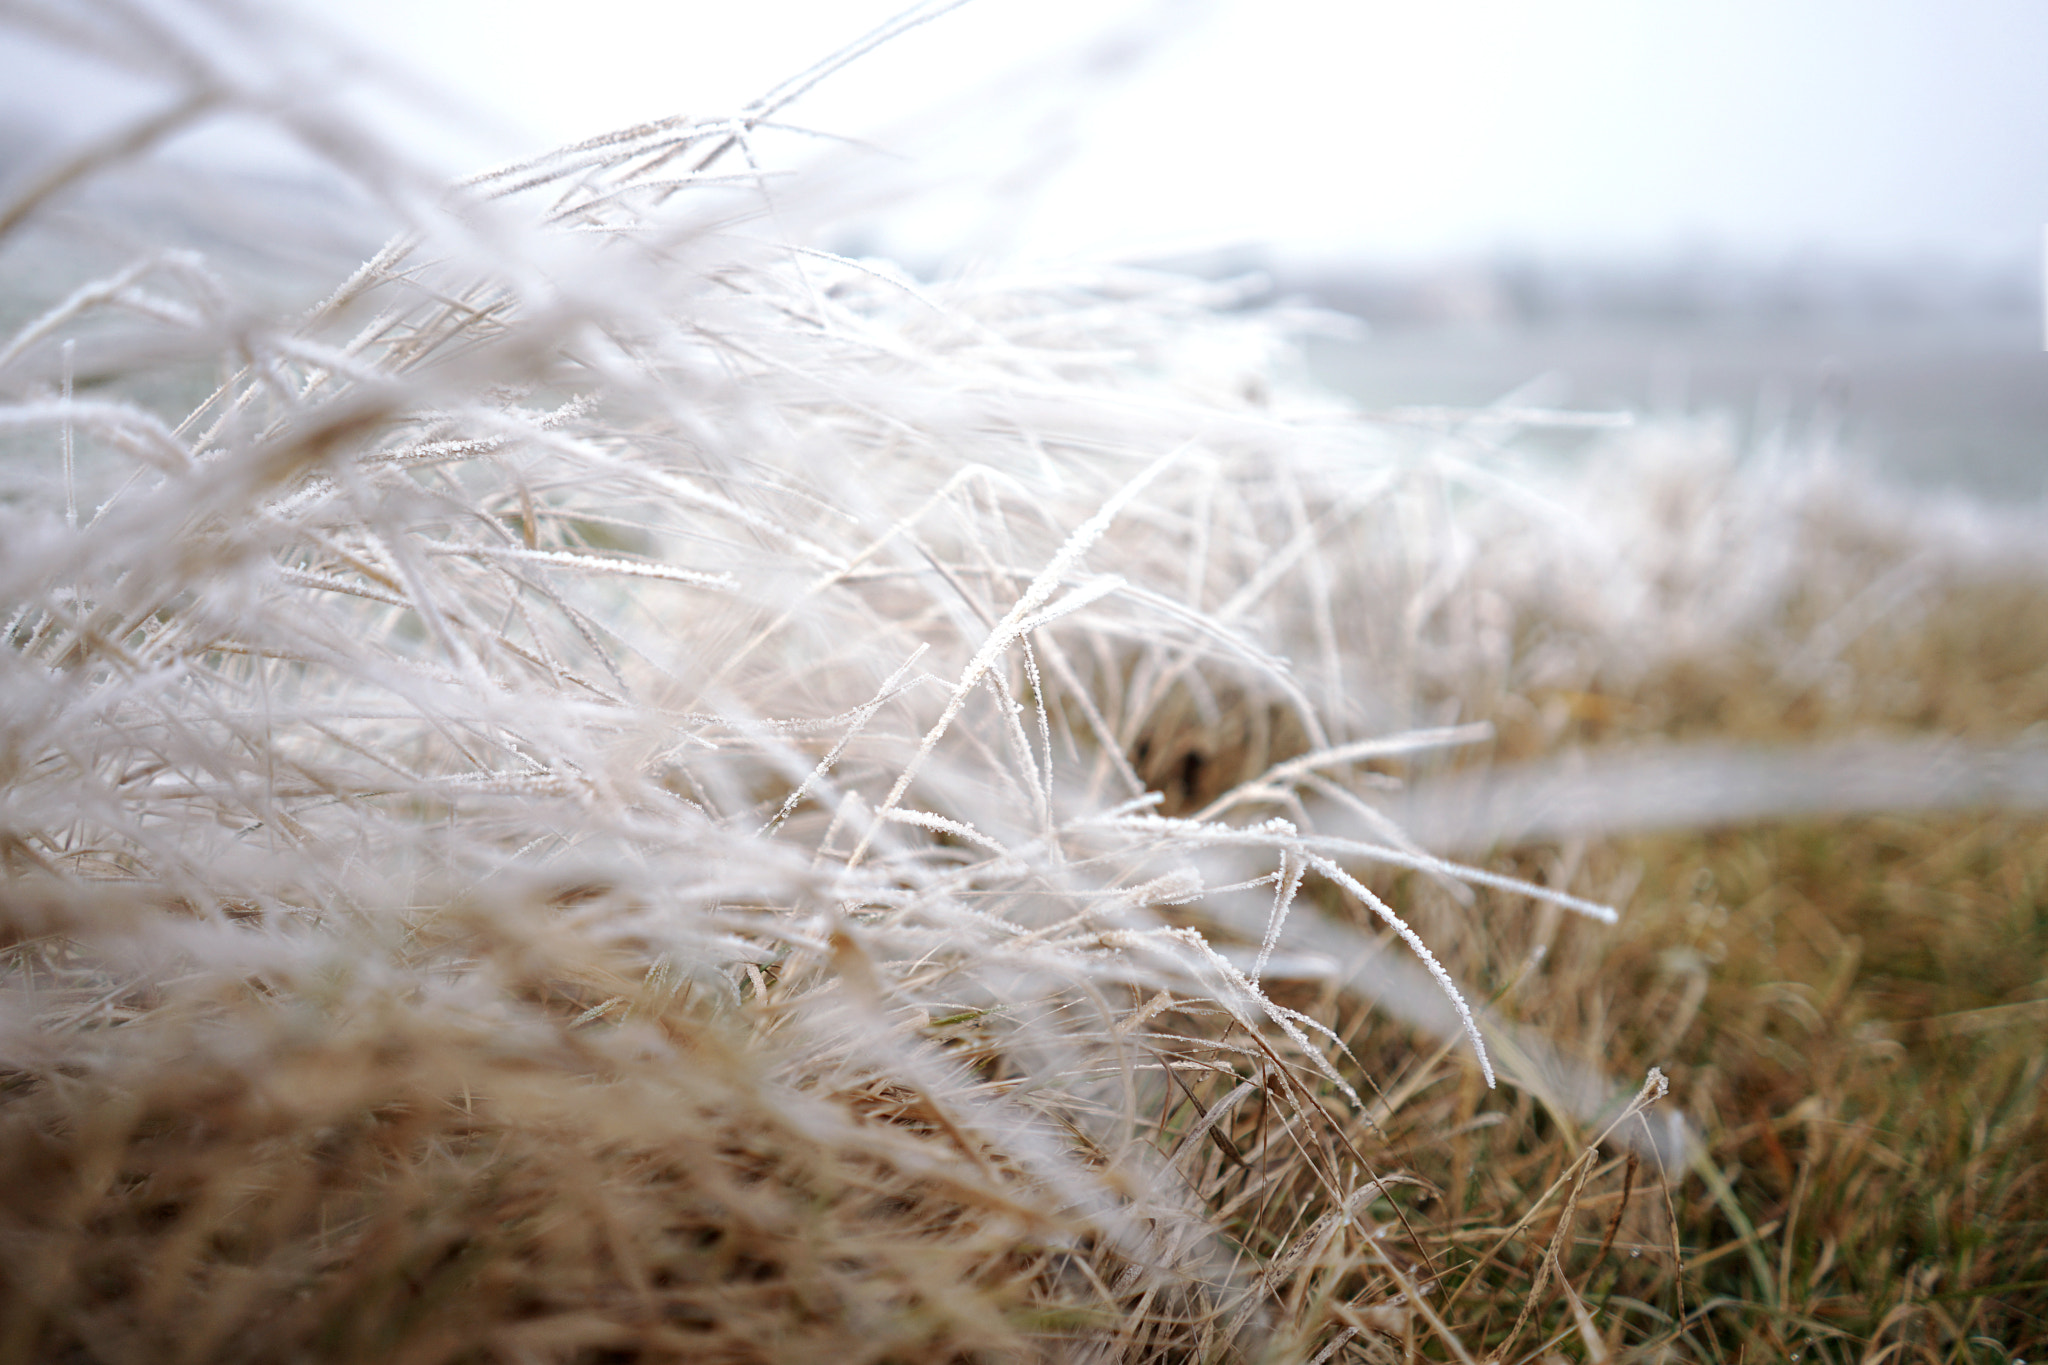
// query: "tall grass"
[[626, 787]]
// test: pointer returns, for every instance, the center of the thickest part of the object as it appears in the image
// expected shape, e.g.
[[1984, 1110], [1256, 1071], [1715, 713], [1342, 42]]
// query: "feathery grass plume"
[[627, 788]]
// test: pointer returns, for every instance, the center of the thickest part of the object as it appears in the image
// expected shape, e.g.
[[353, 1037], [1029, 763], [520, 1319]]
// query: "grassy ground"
[[1849, 1011], [626, 789]]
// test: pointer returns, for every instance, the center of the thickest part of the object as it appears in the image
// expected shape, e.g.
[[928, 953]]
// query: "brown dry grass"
[[1850, 1012]]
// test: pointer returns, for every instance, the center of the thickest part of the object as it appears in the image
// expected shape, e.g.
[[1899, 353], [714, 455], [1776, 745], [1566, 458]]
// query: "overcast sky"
[[1384, 130]]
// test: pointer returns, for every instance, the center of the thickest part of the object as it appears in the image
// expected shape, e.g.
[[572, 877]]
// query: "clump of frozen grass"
[[607, 688], [640, 785]]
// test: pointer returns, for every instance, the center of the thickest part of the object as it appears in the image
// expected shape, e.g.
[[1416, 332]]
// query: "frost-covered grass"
[[627, 788]]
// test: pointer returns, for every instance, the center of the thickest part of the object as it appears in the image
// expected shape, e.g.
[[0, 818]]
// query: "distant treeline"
[[1692, 286]]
